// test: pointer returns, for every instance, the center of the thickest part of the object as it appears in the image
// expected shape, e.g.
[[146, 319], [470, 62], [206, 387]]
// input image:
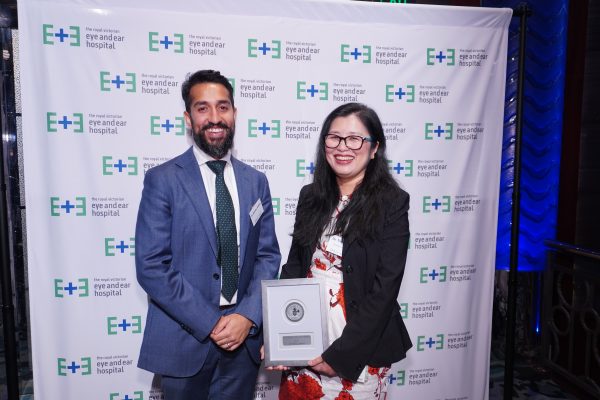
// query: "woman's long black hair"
[[364, 214]]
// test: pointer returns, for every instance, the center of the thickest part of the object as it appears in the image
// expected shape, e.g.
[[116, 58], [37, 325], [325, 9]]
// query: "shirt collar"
[[203, 158]]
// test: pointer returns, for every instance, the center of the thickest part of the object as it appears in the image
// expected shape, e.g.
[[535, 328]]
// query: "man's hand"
[[230, 331], [319, 365]]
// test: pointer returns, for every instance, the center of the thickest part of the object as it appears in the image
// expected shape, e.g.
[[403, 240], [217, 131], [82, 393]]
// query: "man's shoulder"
[[247, 169], [171, 165]]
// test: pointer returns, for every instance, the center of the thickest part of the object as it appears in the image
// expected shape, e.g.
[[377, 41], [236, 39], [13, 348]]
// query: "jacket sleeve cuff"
[[346, 370]]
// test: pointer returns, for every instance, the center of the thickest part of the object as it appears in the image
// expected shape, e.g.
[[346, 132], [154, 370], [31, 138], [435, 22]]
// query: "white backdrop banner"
[[101, 105]]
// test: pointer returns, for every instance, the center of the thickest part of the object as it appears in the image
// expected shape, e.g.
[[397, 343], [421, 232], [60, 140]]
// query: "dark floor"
[[531, 381]]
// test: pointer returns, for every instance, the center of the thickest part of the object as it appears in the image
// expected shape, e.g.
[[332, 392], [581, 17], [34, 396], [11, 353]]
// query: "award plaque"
[[294, 320]]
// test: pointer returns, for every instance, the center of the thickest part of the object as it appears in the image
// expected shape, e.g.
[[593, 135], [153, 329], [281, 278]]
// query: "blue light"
[[542, 132]]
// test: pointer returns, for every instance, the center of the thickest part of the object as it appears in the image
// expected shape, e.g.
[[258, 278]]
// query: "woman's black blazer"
[[375, 333]]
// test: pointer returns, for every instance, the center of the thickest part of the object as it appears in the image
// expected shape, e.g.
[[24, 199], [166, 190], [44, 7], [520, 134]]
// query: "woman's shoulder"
[[395, 195], [306, 191]]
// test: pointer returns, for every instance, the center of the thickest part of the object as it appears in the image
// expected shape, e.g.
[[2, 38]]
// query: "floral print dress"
[[306, 384]]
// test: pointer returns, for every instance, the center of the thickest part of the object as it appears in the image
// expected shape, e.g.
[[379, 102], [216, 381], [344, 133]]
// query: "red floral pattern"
[[344, 396], [338, 299], [296, 386], [347, 384], [320, 264], [330, 256]]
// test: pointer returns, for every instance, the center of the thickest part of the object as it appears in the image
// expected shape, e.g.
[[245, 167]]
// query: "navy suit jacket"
[[176, 263]]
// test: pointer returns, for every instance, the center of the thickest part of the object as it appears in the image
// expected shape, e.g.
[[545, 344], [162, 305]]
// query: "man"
[[205, 238]]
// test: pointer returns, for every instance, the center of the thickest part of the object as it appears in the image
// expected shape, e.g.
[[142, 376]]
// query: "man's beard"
[[219, 150]]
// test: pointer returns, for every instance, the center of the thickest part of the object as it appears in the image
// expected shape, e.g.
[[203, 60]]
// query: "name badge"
[[256, 212], [335, 245]]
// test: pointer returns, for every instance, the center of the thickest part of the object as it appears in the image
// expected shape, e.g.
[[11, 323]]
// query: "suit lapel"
[[191, 181], [242, 179]]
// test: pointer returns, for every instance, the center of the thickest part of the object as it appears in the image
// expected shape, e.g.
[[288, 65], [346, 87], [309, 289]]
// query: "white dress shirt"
[[209, 177]]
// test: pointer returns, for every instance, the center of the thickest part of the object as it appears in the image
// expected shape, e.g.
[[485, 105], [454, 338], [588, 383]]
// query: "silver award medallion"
[[294, 311]]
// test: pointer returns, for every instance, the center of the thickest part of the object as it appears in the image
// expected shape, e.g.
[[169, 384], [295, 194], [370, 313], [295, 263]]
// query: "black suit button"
[[353, 304], [216, 276], [349, 269], [359, 368]]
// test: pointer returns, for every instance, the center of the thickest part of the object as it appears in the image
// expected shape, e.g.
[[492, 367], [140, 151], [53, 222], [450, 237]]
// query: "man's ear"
[[188, 119]]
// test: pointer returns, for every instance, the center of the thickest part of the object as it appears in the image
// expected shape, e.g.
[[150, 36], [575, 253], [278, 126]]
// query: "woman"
[[351, 230]]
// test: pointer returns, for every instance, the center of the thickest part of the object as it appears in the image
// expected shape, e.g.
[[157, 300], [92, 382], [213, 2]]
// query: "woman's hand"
[[320, 366]]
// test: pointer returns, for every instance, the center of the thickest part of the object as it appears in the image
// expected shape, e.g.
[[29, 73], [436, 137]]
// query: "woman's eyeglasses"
[[352, 142]]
